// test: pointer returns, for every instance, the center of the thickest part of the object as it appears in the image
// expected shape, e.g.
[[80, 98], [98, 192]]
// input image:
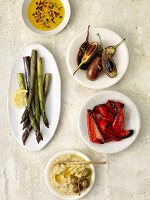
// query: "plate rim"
[[10, 127], [81, 110], [80, 82]]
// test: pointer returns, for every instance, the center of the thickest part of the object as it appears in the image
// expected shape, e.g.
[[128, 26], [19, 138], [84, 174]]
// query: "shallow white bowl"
[[55, 192], [50, 32], [132, 121], [109, 38]]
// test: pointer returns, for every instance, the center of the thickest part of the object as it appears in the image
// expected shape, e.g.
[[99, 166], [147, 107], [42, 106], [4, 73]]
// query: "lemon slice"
[[19, 99]]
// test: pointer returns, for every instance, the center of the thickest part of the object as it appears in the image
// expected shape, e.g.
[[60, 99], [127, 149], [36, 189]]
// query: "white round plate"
[[55, 192], [109, 38], [50, 32], [53, 102], [132, 121]]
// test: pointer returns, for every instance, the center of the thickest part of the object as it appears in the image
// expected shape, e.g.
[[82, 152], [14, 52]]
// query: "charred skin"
[[83, 48], [26, 133], [26, 61], [126, 134], [109, 65], [112, 49], [94, 68], [101, 139], [89, 54], [26, 123], [81, 52]]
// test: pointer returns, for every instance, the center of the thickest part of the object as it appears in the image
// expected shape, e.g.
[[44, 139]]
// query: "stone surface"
[[127, 174]]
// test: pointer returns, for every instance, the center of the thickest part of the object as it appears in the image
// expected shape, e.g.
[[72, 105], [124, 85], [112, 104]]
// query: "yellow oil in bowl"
[[46, 14]]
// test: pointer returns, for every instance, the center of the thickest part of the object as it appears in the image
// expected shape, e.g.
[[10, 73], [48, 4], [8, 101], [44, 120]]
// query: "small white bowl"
[[50, 32], [58, 194], [132, 121], [109, 38]]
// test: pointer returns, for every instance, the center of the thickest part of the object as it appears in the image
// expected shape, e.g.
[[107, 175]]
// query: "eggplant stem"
[[100, 39], [87, 37], [115, 47], [77, 69]]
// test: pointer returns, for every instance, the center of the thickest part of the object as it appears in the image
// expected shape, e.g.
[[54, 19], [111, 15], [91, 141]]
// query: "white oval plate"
[[50, 32], [53, 102], [132, 121], [55, 192], [109, 38]]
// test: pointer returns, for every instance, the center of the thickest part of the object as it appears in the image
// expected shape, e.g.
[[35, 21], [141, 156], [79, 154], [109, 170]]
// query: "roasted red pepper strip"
[[103, 124], [108, 132], [95, 116], [109, 119], [102, 109], [121, 105], [114, 106], [93, 129], [120, 134], [109, 137], [111, 131], [126, 133], [112, 139], [119, 121]]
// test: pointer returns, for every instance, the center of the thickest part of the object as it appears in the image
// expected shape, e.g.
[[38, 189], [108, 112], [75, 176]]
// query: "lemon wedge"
[[19, 99]]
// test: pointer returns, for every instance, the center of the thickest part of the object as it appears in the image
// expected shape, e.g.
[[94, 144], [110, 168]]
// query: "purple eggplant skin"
[[83, 47], [108, 64], [88, 56], [94, 68], [81, 53], [90, 53]]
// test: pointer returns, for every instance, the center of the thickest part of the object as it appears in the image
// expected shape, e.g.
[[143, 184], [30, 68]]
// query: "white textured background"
[[127, 174]]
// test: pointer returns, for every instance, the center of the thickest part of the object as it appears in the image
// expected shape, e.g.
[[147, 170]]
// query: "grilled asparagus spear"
[[26, 133], [47, 79], [32, 84], [46, 82], [26, 123], [38, 134], [25, 115], [31, 115], [41, 90], [20, 78], [37, 105], [21, 82], [32, 77], [46, 88], [33, 125], [26, 61]]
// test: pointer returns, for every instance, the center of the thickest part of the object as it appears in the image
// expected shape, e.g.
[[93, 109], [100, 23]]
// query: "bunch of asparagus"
[[36, 95]]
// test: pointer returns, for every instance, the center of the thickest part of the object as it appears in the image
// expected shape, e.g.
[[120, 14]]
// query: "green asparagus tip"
[[39, 136]]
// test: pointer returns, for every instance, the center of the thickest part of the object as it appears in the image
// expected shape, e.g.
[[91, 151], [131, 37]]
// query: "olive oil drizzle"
[[47, 14]]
